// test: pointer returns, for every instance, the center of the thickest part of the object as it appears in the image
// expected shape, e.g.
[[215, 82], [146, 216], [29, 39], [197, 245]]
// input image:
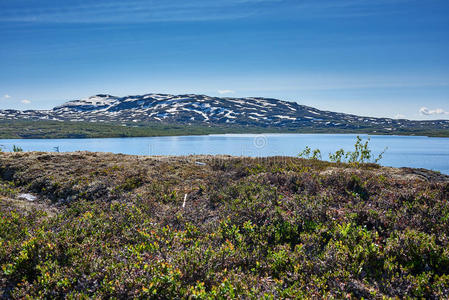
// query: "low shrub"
[[297, 232]]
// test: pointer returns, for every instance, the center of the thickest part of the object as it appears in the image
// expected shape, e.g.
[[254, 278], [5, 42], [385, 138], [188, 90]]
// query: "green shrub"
[[361, 154], [16, 149]]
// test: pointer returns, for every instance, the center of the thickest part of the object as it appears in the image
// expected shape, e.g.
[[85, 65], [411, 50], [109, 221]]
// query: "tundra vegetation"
[[106, 225], [43, 129]]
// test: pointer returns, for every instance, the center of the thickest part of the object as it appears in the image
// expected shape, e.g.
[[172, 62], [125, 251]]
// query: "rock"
[[27, 197]]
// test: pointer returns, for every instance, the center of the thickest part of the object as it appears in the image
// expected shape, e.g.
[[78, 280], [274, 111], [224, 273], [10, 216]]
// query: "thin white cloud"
[[25, 101], [134, 11], [224, 92], [333, 81], [6, 96], [429, 112], [107, 11], [399, 116]]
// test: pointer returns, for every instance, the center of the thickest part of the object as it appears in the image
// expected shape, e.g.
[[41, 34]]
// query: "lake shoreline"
[[402, 151]]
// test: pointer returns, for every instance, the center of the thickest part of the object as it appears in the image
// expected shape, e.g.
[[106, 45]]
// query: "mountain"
[[206, 110]]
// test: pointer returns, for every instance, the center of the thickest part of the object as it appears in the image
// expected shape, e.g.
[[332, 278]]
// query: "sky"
[[382, 58]]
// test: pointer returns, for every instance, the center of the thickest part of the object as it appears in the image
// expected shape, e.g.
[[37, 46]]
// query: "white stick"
[[184, 203]]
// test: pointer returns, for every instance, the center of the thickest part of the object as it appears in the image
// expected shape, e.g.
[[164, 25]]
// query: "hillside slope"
[[218, 111], [106, 225]]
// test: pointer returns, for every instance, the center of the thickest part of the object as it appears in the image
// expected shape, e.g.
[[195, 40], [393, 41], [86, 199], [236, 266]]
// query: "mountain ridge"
[[208, 110]]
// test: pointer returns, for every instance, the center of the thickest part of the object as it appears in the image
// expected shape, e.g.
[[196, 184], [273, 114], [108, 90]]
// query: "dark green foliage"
[[251, 228], [42, 129], [16, 149]]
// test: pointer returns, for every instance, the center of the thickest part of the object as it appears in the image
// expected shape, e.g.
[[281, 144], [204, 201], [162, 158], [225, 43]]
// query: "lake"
[[403, 151]]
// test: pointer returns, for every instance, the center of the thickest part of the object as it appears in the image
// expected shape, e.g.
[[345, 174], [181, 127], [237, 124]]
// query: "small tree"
[[316, 154], [338, 156], [305, 153]]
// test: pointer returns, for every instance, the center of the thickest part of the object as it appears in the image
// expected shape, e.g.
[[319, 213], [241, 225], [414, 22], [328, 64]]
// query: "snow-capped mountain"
[[201, 109]]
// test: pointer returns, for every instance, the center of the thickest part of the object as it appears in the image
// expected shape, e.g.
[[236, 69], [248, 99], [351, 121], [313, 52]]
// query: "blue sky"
[[369, 57]]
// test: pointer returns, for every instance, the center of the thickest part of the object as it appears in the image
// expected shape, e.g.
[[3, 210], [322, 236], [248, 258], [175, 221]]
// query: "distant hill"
[[205, 110]]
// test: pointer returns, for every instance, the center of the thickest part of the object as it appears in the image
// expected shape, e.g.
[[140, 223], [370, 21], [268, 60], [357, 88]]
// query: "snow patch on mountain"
[[202, 109]]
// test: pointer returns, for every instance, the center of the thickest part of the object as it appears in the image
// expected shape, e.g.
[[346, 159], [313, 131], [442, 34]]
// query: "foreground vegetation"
[[23, 129], [121, 226]]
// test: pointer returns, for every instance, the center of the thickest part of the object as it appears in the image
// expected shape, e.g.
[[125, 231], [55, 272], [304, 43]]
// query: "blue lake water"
[[403, 151]]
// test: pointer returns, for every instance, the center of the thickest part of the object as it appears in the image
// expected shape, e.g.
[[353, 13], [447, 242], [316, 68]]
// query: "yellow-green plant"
[[361, 154], [310, 154]]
